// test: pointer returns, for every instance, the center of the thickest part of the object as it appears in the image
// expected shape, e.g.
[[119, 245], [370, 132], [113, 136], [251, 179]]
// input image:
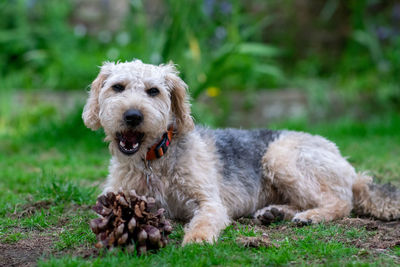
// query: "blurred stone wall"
[[97, 16]]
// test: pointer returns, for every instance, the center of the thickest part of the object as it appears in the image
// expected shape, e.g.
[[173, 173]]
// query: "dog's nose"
[[133, 117]]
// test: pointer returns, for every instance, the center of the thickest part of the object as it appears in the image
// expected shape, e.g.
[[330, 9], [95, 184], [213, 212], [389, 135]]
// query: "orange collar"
[[159, 149]]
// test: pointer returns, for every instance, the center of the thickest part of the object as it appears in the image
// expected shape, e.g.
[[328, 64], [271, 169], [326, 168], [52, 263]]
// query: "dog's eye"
[[118, 87], [152, 91]]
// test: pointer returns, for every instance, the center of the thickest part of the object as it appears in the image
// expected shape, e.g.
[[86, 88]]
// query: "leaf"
[[258, 49], [269, 70]]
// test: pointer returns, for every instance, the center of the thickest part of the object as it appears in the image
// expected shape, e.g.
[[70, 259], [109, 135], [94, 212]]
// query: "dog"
[[209, 177]]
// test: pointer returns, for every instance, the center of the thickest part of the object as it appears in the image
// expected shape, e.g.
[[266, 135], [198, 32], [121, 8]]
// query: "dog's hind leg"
[[311, 176], [328, 211]]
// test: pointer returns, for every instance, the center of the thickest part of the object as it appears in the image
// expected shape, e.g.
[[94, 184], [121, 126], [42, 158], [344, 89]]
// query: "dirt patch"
[[36, 244], [25, 252], [379, 236], [383, 235], [40, 244]]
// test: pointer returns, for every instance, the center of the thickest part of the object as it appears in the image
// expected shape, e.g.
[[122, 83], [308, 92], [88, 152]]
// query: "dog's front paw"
[[107, 190], [198, 236]]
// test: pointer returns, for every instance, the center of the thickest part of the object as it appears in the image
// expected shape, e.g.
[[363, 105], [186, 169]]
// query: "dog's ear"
[[179, 100], [91, 110]]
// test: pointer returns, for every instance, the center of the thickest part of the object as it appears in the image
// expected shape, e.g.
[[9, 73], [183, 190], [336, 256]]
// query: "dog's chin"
[[129, 141]]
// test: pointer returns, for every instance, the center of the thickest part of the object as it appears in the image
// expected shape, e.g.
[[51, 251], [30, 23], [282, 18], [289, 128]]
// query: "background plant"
[[220, 46], [210, 41]]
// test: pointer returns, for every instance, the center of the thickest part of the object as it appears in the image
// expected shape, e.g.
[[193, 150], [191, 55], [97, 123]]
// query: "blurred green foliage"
[[210, 42], [373, 53], [355, 45], [219, 45]]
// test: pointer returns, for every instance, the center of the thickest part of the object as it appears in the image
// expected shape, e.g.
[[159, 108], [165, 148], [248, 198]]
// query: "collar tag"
[[148, 171]]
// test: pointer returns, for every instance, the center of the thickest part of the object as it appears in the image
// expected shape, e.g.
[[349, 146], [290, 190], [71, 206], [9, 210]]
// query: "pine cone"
[[131, 222]]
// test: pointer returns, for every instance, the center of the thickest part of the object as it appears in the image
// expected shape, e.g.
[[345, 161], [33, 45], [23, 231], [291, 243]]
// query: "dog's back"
[[240, 153]]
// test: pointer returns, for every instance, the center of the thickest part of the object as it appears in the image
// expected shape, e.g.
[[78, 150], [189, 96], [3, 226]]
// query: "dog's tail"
[[379, 201]]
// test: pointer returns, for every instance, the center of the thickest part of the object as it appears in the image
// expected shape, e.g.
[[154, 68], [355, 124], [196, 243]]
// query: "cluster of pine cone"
[[130, 221]]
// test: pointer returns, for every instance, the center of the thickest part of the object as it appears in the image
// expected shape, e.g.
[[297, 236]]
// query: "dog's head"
[[135, 103]]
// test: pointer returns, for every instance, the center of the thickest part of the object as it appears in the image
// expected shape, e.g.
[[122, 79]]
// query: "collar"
[[159, 149]]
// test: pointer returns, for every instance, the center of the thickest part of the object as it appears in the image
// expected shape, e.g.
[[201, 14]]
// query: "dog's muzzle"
[[129, 141]]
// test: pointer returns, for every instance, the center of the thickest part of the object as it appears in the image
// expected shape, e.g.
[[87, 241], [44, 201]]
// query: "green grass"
[[54, 161]]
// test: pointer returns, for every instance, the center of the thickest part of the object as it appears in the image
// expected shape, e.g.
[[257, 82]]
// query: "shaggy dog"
[[209, 177]]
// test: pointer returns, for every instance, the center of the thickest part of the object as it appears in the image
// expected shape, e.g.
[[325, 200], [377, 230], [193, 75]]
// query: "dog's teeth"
[[121, 143], [136, 145]]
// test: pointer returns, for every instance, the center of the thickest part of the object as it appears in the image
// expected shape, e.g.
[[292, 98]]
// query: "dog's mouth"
[[129, 141]]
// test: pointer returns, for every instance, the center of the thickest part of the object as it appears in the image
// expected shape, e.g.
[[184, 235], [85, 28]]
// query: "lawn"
[[52, 167]]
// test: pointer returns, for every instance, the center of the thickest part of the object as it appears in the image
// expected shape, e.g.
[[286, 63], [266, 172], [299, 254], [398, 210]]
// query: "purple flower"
[[226, 7], [208, 7], [31, 3], [383, 33], [396, 12], [220, 33]]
